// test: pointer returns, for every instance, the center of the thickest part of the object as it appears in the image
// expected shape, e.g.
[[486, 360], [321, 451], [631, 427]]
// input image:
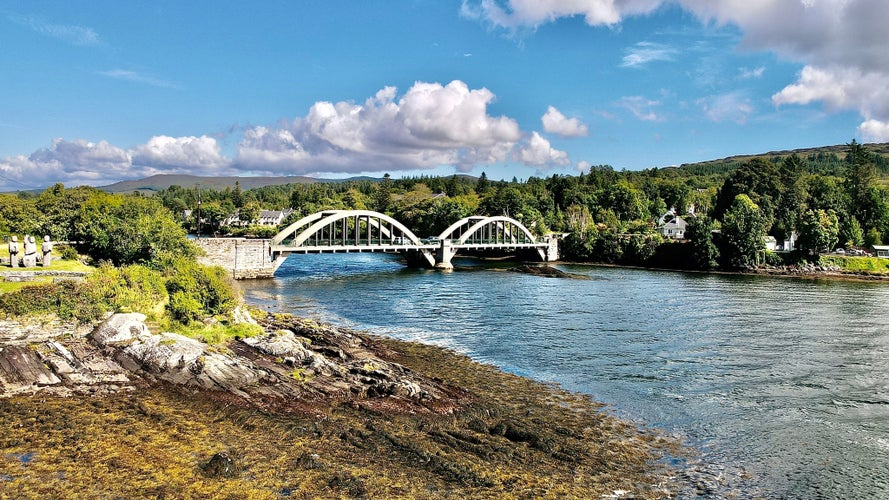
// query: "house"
[[674, 229], [273, 217], [771, 243], [266, 218], [881, 251]]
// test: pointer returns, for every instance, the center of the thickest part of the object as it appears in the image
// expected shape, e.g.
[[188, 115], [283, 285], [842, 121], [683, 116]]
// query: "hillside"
[[164, 181], [824, 159]]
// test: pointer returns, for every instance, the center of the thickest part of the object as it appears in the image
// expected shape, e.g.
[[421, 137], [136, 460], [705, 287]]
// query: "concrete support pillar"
[[444, 254]]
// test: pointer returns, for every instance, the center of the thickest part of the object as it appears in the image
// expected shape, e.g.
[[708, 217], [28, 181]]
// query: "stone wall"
[[244, 258]]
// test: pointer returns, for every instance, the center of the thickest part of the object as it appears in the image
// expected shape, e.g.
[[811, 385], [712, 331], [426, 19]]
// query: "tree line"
[[609, 216]]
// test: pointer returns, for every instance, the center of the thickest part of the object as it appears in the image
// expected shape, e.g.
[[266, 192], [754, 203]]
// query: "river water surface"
[[784, 379]]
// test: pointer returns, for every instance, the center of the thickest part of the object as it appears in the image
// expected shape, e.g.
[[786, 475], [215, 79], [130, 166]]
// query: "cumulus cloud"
[[185, 153], [583, 166], [538, 152], [645, 52], [554, 122], [430, 125], [875, 130], [97, 163], [77, 161], [832, 38]]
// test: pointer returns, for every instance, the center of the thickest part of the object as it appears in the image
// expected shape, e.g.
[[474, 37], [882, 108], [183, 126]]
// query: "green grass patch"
[[217, 333], [860, 265], [13, 286]]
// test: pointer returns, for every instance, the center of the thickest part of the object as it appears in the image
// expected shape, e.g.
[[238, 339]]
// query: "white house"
[[675, 229], [273, 217]]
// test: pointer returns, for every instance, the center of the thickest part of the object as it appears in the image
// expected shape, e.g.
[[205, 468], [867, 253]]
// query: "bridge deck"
[[391, 248]]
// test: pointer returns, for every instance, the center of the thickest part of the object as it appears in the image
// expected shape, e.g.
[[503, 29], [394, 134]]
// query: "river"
[[781, 382]]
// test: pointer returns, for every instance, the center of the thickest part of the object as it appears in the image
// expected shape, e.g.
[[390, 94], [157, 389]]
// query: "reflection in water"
[[788, 378]]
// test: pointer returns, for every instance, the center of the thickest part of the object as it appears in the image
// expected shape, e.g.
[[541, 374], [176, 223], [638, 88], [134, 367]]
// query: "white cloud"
[[537, 151], [99, 163], [747, 73], [75, 35], [875, 130], [840, 88], [77, 161], [132, 76], [640, 107], [533, 13], [430, 125], [184, 153], [833, 38], [645, 52], [583, 166], [734, 106], [554, 122]]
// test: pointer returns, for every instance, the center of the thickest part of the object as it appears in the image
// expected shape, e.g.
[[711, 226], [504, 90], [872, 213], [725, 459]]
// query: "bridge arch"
[[469, 227], [310, 225]]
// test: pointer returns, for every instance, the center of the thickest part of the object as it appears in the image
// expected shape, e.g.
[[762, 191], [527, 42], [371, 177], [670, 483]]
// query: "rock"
[[543, 271], [221, 465], [121, 327], [182, 360], [310, 461]]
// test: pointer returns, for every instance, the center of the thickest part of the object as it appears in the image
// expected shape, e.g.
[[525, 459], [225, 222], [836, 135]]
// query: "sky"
[[97, 91]]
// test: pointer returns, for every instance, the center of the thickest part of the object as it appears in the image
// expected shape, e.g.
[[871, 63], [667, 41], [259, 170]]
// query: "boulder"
[[121, 327]]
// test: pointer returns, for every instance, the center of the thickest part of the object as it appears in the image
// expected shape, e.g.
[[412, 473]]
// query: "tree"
[[249, 212], [699, 233], [860, 177], [483, 184], [383, 195], [851, 234], [744, 229], [130, 230], [759, 180], [818, 230]]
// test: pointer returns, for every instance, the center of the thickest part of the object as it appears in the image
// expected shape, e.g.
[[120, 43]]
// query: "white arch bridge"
[[335, 231]]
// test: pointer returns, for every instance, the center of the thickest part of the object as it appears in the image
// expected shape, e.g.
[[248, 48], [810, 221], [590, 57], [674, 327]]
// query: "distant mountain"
[[155, 183]]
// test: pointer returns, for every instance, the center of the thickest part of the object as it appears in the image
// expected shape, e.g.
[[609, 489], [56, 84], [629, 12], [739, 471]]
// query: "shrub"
[[66, 252]]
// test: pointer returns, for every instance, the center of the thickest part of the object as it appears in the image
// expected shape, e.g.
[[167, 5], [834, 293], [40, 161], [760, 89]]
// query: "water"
[[787, 379]]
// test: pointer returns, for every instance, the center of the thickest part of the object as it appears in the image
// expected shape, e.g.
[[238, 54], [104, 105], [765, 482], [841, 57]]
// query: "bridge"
[[346, 231]]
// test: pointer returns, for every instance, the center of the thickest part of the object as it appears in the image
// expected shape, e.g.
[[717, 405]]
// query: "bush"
[[66, 252], [67, 299], [208, 288]]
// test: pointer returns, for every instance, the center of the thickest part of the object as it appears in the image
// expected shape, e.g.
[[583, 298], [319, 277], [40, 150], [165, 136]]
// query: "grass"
[[56, 265], [858, 265]]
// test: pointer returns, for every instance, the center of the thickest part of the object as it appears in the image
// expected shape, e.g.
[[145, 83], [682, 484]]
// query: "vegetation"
[[145, 263]]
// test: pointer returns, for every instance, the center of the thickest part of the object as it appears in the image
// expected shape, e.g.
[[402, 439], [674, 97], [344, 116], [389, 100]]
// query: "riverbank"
[[304, 410], [809, 271]]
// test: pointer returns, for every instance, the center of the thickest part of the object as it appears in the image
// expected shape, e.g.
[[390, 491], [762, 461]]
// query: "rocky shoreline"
[[303, 410]]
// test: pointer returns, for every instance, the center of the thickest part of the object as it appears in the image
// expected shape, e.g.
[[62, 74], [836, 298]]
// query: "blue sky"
[[99, 91]]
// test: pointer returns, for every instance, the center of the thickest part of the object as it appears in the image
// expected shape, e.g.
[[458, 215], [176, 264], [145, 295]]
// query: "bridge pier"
[[444, 254]]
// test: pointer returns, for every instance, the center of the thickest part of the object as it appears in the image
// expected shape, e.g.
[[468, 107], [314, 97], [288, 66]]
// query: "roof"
[[677, 222]]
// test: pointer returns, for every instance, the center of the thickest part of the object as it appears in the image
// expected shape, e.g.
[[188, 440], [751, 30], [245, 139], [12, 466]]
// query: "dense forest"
[[823, 200]]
